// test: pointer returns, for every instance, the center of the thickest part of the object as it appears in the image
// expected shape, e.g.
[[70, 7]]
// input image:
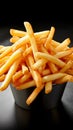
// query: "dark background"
[[37, 12], [41, 14]]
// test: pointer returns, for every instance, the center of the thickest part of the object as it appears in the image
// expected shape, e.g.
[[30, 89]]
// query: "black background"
[[51, 12], [41, 14]]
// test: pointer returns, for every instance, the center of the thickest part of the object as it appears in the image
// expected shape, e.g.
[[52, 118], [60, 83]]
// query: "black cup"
[[46, 101]]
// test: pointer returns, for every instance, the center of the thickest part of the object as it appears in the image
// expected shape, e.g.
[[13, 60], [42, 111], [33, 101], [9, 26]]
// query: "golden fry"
[[68, 65], [48, 87], [9, 75], [18, 33], [64, 53], [17, 54], [17, 75], [31, 38], [25, 85], [34, 94], [2, 77], [35, 74], [14, 39], [50, 37], [67, 78], [50, 58], [64, 45]]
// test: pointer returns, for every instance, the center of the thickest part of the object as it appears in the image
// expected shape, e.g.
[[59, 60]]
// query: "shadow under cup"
[[46, 101]]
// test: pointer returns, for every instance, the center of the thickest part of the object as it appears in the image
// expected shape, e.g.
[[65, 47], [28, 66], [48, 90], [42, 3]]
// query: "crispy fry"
[[50, 37], [27, 51], [51, 58], [31, 38], [3, 49], [25, 85], [6, 52], [34, 94], [63, 45], [24, 40], [2, 77], [9, 75], [64, 53], [67, 66], [24, 68], [35, 74], [46, 72], [25, 77], [18, 33], [53, 67], [52, 77], [64, 79], [4, 59], [17, 75], [39, 63], [17, 54], [14, 39], [48, 87]]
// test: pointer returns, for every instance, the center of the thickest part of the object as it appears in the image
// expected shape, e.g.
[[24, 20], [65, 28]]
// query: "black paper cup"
[[46, 101], [53, 99]]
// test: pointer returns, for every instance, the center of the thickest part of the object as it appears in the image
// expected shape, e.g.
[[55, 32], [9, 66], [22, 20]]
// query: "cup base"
[[45, 101]]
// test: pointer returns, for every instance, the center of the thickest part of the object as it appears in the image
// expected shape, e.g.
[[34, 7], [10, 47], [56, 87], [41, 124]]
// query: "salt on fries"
[[36, 60]]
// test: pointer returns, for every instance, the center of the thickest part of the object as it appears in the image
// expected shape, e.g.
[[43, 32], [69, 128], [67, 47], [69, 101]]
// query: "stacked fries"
[[35, 59]]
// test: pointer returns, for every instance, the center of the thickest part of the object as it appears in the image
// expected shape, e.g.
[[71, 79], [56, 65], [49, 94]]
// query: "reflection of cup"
[[47, 101]]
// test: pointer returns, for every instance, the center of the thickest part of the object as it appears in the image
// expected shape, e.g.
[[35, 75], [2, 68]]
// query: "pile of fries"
[[35, 59]]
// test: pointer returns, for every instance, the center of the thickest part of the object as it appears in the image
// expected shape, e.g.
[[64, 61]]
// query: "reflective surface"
[[13, 116]]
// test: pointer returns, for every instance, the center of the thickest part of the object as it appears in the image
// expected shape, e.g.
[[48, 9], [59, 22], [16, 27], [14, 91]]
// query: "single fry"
[[33, 95], [48, 87], [68, 65], [31, 38], [52, 77], [2, 77], [24, 68], [64, 53], [63, 45], [18, 33], [39, 63], [25, 77], [25, 85], [3, 49], [67, 78], [51, 58], [17, 75], [50, 37], [27, 51], [6, 52], [4, 59], [14, 39]]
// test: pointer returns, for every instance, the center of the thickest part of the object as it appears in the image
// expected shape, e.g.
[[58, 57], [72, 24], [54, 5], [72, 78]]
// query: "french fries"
[[35, 60]]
